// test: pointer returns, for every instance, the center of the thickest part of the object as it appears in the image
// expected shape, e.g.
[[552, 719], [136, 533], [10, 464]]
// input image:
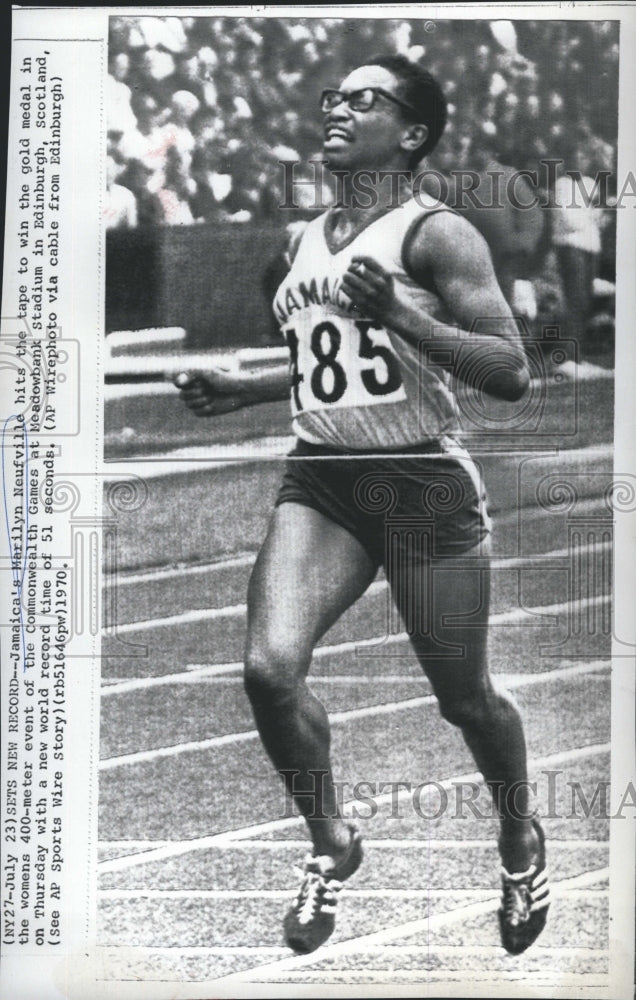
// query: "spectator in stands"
[[120, 208], [187, 74], [177, 132], [175, 193], [212, 187], [145, 141], [158, 71], [576, 235], [137, 177], [120, 114], [165, 33]]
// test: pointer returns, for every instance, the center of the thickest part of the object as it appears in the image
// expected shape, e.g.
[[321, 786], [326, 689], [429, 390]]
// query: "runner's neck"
[[346, 220]]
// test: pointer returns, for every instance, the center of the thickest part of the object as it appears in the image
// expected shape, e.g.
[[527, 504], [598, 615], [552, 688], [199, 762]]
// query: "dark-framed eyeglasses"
[[359, 100]]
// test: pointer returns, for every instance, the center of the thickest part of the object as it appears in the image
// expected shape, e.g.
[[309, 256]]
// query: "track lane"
[[511, 652]]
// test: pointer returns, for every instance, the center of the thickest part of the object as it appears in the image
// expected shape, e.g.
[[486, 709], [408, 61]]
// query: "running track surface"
[[198, 845]]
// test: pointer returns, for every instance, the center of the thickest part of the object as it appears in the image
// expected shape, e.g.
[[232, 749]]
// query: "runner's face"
[[371, 139]]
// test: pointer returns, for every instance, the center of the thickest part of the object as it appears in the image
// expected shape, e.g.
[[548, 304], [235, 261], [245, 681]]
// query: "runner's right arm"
[[214, 391]]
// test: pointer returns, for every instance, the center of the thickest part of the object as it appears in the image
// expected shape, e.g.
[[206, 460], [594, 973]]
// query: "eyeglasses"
[[359, 100]]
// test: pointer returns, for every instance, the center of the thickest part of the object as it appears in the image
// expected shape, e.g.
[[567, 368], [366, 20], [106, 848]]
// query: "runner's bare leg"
[[308, 572], [455, 589]]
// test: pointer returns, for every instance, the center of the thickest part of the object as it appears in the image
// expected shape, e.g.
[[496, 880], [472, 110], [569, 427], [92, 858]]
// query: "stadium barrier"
[[211, 280]]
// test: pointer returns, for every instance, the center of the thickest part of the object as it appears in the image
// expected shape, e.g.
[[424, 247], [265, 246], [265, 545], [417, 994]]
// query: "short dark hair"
[[420, 89]]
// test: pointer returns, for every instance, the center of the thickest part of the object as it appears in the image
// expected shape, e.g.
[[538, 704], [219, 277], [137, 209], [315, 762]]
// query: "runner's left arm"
[[459, 259]]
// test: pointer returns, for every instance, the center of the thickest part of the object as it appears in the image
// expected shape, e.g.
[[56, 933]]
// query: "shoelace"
[[315, 891], [517, 902]]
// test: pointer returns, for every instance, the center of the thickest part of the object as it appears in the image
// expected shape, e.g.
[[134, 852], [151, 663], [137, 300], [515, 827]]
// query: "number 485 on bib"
[[342, 362]]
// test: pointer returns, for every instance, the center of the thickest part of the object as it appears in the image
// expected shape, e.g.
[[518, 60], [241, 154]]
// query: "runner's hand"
[[211, 392], [370, 288]]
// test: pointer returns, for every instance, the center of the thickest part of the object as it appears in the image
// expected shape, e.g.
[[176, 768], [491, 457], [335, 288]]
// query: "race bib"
[[341, 361]]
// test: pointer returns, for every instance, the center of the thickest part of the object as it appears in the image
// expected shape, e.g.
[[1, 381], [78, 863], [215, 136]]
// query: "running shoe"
[[312, 916], [524, 902]]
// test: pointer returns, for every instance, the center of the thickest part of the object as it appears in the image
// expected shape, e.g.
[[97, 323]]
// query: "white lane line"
[[189, 676], [386, 843], [228, 838], [518, 616], [155, 574], [239, 894], [330, 680], [385, 708], [233, 610], [113, 952], [417, 678], [183, 618], [143, 756], [194, 673], [546, 979], [214, 742], [165, 573], [423, 925], [490, 951], [210, 614]]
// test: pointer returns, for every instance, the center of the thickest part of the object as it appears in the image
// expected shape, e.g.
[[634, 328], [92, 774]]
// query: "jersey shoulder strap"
[[419, 209], [294, 233]]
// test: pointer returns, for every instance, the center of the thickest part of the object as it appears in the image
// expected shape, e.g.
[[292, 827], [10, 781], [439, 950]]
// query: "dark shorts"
[[421, 503]]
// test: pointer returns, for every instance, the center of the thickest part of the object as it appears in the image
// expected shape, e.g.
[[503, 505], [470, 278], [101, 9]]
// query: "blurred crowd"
[[202, 109]]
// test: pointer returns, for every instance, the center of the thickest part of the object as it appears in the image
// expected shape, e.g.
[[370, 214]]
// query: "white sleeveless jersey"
[[357, 385]]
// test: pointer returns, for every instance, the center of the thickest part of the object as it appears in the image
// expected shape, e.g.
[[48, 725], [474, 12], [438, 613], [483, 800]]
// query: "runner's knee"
[[272, 672], [474, 709]]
